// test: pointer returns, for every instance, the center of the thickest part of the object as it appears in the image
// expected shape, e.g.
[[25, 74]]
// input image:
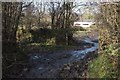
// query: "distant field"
[[91, 32]]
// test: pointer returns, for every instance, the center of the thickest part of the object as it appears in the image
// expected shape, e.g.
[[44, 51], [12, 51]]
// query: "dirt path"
[[48, 65]]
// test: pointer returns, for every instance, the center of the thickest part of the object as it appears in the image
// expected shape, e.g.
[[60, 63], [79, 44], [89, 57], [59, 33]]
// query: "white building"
[[83, 24]]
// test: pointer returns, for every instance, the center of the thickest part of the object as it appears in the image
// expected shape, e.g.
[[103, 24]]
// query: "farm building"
[[83, 24]]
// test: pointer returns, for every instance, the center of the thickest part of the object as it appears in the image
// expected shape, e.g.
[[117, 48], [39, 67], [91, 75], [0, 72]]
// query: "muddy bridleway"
[[47, 65]]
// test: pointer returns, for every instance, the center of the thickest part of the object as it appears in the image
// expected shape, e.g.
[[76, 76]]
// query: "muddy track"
[[51, 65]]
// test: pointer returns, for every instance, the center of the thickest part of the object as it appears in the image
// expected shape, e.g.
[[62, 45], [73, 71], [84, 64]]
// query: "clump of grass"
[[43, 47], [102, 67]]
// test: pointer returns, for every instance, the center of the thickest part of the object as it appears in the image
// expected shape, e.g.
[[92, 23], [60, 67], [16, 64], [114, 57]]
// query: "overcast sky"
[[59, 0], [68, 0]]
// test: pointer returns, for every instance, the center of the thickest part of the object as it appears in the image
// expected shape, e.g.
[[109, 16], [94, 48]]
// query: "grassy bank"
[[40, 47], [102, 67]]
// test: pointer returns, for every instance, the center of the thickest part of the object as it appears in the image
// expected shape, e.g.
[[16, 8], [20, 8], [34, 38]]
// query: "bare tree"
[[11, 14]]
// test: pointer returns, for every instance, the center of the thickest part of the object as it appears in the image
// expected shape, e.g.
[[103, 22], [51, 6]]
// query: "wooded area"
[[43, 28], [14, 15]]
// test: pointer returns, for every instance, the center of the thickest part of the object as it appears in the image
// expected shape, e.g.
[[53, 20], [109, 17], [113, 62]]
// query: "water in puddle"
[[40, 68], [76, 55], [81, 53]]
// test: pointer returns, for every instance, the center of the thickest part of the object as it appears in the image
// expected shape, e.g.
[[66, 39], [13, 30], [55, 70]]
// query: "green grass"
[[102, 67], [41, 47], [54, 46]]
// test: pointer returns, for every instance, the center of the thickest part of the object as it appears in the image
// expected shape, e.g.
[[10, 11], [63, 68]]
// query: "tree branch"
[[27, 5]]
